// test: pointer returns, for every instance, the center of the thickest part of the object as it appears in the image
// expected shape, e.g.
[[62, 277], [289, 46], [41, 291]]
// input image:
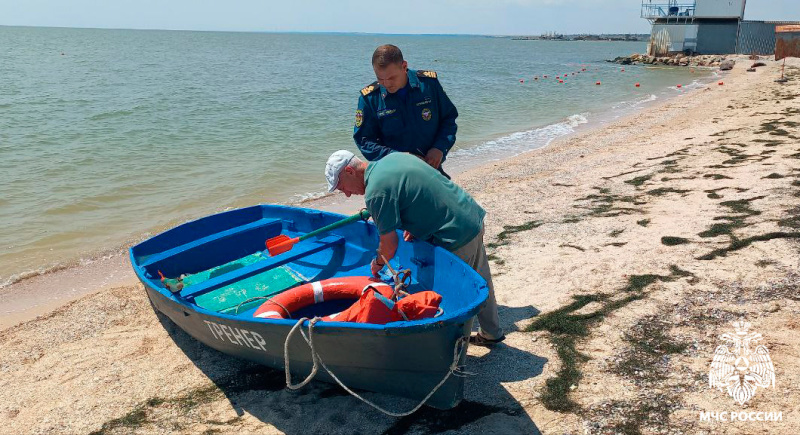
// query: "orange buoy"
[[284, 304], [544, 76], [561, 81], [720, 83], [521, 81], [597, 83], [637, 85], [623, 70], [680, 86]]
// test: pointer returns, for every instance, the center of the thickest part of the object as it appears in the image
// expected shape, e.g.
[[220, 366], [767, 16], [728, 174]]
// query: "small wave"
[[84, 260], [300, 198], [634, 103], [13, 279], [695, 84], [111, 114], [522, 141]]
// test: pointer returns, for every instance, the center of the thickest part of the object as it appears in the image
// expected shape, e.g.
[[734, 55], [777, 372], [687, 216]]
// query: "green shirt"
[[404, 192]]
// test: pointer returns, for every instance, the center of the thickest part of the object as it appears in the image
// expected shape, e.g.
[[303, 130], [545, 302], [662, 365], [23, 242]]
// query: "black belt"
[[441, 171]]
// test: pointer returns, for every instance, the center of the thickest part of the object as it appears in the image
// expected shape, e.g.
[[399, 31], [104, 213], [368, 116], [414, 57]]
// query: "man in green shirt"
[[403, 192]]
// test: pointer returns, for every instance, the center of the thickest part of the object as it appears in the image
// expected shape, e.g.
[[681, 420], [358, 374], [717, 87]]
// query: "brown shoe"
[[479, 340]]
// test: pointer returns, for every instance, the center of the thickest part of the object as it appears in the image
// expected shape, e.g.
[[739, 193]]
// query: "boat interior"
[[224, 268]]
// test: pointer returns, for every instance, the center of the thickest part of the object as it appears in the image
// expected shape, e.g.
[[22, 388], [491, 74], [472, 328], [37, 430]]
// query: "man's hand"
[[386, 250], [407, 236], [434, 157], [376, 268]]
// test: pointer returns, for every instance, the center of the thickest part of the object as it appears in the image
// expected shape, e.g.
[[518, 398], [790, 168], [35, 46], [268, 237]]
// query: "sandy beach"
[[619, 254]]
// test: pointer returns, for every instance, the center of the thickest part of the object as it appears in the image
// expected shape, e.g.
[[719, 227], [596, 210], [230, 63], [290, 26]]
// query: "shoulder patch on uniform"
[[428, 74], [369, 89]]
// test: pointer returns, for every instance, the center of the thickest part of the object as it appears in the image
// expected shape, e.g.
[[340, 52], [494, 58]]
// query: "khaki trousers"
[[474, 254]]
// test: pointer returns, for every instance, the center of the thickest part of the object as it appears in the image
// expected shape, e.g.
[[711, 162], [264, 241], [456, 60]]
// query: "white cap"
[[336, 163]]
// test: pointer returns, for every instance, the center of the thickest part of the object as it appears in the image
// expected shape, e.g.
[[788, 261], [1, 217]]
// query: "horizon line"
[[340, 32]]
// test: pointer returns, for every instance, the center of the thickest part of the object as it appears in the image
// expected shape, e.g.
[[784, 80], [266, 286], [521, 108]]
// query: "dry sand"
[[620, 257]]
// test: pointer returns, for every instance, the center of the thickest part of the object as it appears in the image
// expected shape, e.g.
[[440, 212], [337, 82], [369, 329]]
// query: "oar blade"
[[280, 244]]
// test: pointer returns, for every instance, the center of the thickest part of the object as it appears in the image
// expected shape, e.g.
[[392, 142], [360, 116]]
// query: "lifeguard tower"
[[706, 27]]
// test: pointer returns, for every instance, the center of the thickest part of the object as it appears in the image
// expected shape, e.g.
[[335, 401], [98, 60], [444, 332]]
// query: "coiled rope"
[[458, 350]]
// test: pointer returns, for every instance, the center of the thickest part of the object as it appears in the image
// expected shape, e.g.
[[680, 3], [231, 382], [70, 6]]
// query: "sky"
[[487, 17]]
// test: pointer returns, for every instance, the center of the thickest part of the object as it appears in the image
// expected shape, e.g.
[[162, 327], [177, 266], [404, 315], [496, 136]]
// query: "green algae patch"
[[673, 241], [508, 230], [717, 177], [738, 244], [661, 191], [567, 328], [638, 181]]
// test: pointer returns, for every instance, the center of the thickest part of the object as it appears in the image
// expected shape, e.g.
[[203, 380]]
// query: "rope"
[[401, 279], [454, 369], [314, 356]]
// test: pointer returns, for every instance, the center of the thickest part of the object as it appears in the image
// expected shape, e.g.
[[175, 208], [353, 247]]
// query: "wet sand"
[[620, 256]]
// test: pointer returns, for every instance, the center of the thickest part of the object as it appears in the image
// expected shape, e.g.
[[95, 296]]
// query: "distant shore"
[[618, 37]]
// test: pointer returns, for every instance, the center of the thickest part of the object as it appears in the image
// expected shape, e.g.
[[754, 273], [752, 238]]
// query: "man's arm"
[[446, 136], [385, 212], [366, 132], [386, 249]]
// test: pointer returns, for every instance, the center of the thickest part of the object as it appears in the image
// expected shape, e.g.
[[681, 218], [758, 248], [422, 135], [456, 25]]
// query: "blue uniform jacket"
[[386, 122]]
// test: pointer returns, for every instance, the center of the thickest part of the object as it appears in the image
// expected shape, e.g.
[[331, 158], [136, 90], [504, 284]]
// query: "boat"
[[225, 274]]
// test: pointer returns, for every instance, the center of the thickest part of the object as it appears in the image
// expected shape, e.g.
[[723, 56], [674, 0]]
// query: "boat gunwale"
[[462, 314]]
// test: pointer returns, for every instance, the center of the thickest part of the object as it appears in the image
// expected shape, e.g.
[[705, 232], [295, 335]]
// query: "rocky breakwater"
[[710, 61]]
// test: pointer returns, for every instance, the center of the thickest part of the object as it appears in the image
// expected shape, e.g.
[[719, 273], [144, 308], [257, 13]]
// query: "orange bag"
[[422, 305], [373, 307]]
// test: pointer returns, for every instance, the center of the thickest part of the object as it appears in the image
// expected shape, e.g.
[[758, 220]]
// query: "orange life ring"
[[281, 306]]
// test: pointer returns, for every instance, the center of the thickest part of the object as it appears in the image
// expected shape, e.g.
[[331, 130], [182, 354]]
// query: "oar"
[[280, 244]]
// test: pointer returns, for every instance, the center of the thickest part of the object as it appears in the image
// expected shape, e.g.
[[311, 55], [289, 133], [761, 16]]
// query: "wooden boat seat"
[[299, 251]]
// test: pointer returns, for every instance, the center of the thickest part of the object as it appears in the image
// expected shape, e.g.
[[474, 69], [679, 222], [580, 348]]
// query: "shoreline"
[[619, 256], [29, 297]]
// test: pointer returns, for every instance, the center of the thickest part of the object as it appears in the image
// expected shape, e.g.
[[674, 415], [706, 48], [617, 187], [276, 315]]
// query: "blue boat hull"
[[402, 358]]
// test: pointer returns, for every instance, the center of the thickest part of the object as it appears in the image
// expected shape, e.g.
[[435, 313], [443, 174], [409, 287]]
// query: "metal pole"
[[783, 67]]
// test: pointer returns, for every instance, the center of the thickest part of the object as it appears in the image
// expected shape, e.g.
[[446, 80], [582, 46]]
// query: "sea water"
[[107, 136]]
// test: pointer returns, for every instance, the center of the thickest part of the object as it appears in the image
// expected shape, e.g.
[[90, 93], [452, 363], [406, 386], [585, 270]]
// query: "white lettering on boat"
[[242, 337]]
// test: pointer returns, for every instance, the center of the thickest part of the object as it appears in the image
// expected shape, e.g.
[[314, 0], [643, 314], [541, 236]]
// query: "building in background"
[[706, 27]]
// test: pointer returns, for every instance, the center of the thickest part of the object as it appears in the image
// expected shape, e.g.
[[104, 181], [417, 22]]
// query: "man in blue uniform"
[[404, 111]]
